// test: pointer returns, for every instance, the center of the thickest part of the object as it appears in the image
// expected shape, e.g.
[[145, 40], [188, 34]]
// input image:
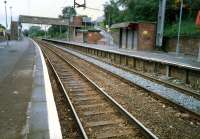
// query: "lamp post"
[[179, 29], [6, 22], [11, 14]]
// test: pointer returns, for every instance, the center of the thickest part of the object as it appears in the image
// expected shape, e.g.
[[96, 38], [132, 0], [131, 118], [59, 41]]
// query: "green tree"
[[68, 12], [35, 31], [131, 10], [54, 30], [112, 13], [1, 26]]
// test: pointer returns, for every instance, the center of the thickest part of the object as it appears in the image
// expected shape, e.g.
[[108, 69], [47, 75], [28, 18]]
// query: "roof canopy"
[[131, 25]]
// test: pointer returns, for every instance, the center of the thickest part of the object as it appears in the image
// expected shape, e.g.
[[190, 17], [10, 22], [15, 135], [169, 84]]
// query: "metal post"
[[6, 22], [60, 31], [108, 30], [11, 14], [198, 59], [179, 29], [160, 24], [69, 33], [45, 30]]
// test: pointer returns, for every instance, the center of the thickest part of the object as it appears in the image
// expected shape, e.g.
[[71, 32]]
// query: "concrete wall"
[[116, 35], [188, 45]]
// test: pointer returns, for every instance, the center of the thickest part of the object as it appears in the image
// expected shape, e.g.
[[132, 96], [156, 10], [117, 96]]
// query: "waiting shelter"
[[136, 35]]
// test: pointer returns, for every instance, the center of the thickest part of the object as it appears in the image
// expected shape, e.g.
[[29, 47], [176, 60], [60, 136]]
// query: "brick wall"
[[146, 36], [14, 31], [77, 21], [188, 45], [93, 37]]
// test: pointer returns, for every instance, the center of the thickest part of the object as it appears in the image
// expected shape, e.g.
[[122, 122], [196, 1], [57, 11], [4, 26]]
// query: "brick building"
[[136, 35], [14, 30]]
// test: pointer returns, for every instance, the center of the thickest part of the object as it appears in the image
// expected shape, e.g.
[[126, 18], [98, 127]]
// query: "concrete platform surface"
[[168, 58], [22, 83]]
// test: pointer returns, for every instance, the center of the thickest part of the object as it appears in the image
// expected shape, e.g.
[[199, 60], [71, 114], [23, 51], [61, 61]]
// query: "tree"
[[1, 26], [112, 13], [35, 31], [131, 10], [54, 30], [68, 12], [147, 10]]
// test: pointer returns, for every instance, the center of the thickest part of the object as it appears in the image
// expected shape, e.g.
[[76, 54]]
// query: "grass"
[[188, 28]]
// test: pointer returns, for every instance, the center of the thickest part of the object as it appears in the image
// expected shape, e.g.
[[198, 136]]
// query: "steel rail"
[[84, 135], [152, 93], [146, 132]]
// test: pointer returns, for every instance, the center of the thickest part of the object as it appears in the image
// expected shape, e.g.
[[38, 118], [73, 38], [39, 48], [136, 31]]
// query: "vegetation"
[[57, 31], [147, 10], [188, 28], [68, 12], [35, 31], [1, 26]]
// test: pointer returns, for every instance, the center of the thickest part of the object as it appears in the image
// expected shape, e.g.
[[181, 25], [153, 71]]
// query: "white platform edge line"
[[53, 120]]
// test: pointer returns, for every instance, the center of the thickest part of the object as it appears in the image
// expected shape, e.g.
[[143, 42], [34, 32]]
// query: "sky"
[[47, 8]]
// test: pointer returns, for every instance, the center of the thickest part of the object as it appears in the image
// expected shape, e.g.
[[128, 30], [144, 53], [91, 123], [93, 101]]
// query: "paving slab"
[[16, 68], [20, 89]]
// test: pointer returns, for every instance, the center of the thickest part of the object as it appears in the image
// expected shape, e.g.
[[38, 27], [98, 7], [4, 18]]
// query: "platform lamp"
[[5, 2], [179, 29], [11, 14]]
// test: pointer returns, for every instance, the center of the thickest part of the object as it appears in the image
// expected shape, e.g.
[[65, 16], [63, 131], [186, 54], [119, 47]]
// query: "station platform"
[[27, 107], [167, 58], [177, 70]]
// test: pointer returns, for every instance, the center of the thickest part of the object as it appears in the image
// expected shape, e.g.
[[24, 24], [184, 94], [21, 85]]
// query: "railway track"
[[181, 108], [185, 90], [97, 114]]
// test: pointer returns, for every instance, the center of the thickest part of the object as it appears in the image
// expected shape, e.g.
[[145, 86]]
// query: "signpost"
[[198, 26]]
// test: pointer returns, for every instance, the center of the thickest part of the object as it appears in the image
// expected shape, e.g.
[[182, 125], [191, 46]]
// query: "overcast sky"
[[47, 8]]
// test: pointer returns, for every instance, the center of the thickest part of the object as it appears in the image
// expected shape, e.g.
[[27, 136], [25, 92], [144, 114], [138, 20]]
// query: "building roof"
[[129, 24]]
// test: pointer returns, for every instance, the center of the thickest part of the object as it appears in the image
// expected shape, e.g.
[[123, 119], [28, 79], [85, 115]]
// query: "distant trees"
[[1, 26], [35, 31], [146, 10], [130, 10], [67, 13]]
